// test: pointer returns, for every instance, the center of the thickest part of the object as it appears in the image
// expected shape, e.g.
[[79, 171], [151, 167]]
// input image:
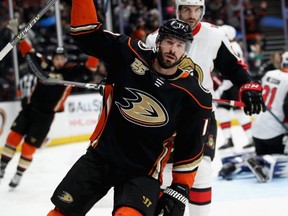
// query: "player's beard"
[[191, 21], [164, 63]]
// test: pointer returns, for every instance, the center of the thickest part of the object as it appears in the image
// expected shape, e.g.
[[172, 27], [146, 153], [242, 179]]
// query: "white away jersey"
[[275, 89], [208, 39]]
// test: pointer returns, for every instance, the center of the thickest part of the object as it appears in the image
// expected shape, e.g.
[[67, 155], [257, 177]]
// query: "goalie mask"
[[177, 29]]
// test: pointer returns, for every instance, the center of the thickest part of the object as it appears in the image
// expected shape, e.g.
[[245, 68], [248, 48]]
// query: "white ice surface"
[[241, 197]]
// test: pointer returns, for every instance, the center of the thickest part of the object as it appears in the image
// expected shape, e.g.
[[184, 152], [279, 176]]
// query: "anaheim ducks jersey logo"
[[195, 70], [65, 197], [143, 109]]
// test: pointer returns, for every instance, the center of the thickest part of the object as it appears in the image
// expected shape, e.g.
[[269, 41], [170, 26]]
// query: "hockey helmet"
[[191, 3], [178, 29], [284, 61], [59, 51], [229, 31]]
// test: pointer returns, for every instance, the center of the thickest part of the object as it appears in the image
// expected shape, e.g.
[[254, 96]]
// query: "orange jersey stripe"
[[60, 105], [205, 107], [107, 99], [25, 47]]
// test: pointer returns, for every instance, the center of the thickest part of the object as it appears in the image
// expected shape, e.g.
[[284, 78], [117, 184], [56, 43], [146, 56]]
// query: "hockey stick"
[[233, 103], [24, 30], [277, 119], [46, 79]]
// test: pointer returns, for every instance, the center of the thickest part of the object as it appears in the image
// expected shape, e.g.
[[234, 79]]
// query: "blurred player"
[[33, 122], [269, 131]]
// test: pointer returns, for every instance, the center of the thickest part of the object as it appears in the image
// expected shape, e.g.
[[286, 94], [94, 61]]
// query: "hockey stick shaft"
[[277, 119], [232, 103], [24, 30], [46, 79]]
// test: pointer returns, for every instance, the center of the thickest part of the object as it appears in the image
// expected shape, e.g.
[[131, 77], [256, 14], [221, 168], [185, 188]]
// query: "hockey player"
[[226, 91], [269, 131], [33, 122], [147, 101], [266, 131], [211, 49]]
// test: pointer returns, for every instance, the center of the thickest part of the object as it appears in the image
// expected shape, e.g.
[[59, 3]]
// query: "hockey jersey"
[[275, 94], [211, 49], [143, 109]]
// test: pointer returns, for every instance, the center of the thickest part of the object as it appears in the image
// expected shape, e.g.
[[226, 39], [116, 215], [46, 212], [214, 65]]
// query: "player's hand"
[[13, 25], [251, 95], [173, 201]]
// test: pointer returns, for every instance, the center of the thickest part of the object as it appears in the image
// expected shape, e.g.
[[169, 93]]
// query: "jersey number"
[[269, 95]]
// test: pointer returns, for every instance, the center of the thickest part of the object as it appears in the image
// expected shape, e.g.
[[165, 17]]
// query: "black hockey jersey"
[[143, 110]]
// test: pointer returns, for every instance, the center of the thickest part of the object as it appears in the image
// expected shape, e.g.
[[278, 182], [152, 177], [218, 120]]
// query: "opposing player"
[[269, 131], [211, 49], [227, 91], [147, 101]]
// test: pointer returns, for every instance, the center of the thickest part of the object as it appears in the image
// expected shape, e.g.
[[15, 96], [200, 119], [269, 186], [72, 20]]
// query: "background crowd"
[[135, 18]]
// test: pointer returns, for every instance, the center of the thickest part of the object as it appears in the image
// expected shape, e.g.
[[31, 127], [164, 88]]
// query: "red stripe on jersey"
[[25, 47], [247, 126], [225, 125], [196, 29], [200, 196]]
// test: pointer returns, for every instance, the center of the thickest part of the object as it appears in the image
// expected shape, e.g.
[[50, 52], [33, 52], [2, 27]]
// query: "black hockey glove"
[[251, 95], [173, 201]]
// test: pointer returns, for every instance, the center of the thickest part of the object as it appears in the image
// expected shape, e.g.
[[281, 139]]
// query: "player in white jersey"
[[269, 131], [211, 49], [226, 91], [269, 128]]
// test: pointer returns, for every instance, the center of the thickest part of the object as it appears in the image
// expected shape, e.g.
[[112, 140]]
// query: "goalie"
[[269, 131]]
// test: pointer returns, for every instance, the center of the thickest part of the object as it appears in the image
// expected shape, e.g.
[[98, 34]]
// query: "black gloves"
[[173, 201], [251, 96]]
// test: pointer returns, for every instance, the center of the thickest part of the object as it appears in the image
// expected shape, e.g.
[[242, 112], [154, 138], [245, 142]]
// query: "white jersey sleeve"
[[275, 89], [238, 50], [151, 39]]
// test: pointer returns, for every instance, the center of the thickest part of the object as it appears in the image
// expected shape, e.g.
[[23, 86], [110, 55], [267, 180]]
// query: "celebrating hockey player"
[[148, 101]]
